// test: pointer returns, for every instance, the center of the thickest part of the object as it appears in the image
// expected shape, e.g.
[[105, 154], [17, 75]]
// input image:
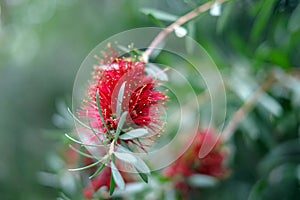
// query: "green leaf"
[[189, 43], [258, 189], [271, 104], [294, 23], [124, 144], [85, 167], [120, 100], [120, 125], [156, 21], [132, 189], [81, 153], [136, 133], [286, 152], [123, 149], [262, 19], [126, 157], [249, 126], [72, 139], [143, 176], [123, 48], [130, 49], [141, 166], [199, 180], [100, 111], [83, 144], [155, 72], [99, 170], [64, 196], [94, 132], [162, 15], [76, 119], [117, 176], [225, 18], [112, 185]]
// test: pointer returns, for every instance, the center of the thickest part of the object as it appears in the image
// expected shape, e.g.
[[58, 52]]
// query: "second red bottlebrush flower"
[[189, 163]]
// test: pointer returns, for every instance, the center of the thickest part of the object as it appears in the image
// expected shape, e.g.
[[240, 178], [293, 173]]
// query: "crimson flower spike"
[[123, 85]]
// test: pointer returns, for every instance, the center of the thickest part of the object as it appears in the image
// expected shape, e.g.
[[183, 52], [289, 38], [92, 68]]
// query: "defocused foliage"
[[42, 44]]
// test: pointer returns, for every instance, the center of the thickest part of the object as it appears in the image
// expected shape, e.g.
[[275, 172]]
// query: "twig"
[[182, 20], [242, 112]]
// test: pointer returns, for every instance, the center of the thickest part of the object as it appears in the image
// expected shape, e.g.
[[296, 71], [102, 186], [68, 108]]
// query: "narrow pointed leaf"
[[294, 24], [123, 48], [132, 189], [189, 44], [99, 170], [81, 143], [200, 180], [150, 72], [226, 16], [143, 176], [94, 132], [123, 148], [64, 196], [112, 185], [124, 144], [156, 21], [76, 119], [120, 100], [136, 133], [117, 176], [86, 167], [80, 152], [158, 49], [158, 73], [126, 157], [141, 166], [100, 111], [162, 15], [258, 189], [120, 125], [72, 139], [262, 19]]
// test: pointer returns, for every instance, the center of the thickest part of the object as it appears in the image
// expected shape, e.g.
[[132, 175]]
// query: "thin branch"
[[182, 20], [247, 107]]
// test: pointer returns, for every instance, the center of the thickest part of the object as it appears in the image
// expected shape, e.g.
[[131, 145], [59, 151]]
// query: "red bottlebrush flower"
[[140, 98], [189, 163], [118, 85]]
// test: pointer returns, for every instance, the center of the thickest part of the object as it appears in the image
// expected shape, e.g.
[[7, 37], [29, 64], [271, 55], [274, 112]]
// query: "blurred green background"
[[43, 42]]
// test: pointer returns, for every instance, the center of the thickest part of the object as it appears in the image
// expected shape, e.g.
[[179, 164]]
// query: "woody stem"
[[247, 107], [182, 20]]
